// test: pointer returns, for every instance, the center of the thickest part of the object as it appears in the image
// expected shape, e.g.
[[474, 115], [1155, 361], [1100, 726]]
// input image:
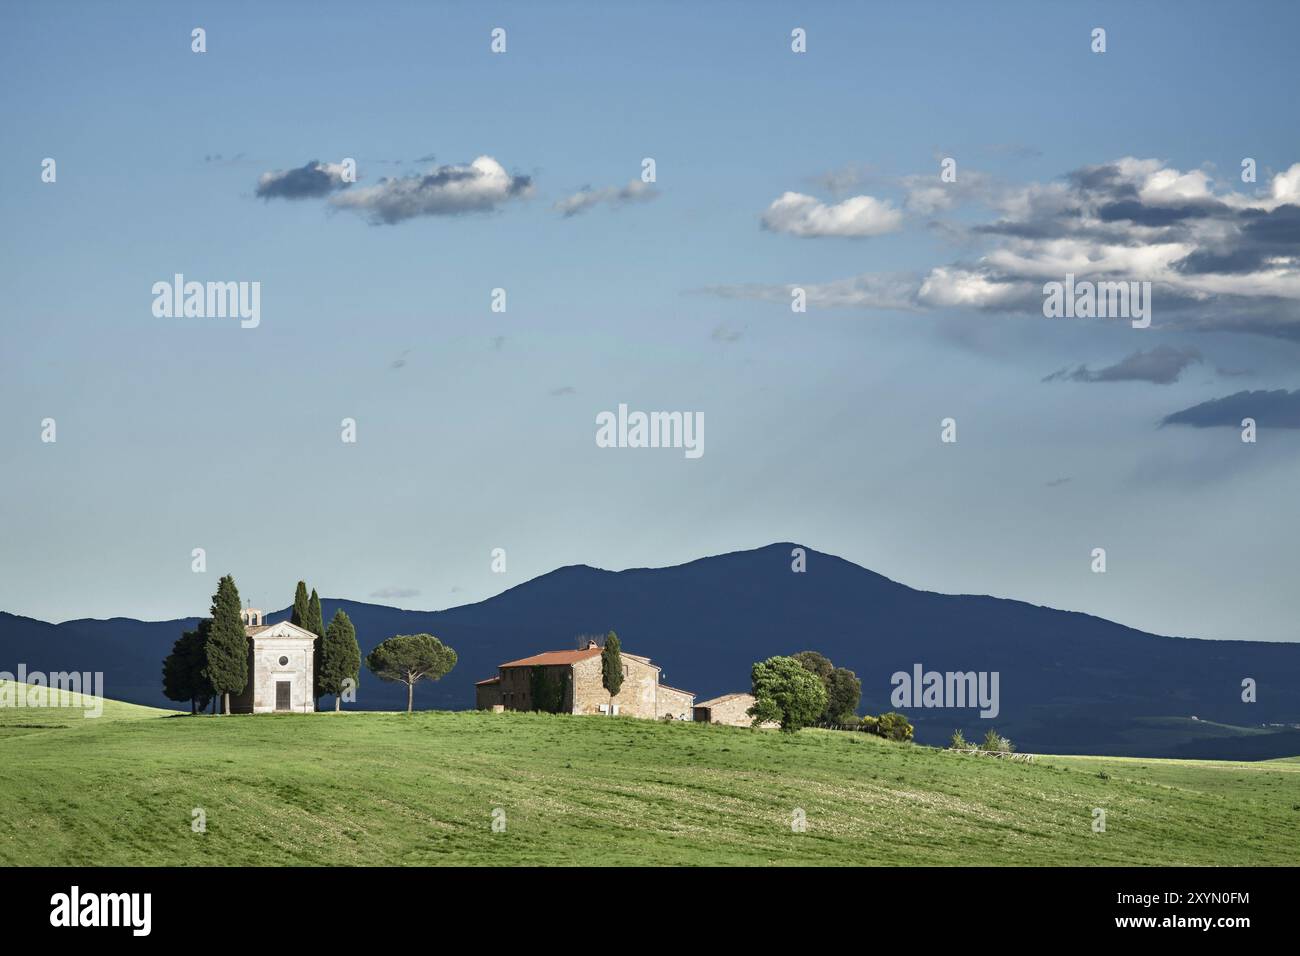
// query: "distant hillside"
[[1070, 682]]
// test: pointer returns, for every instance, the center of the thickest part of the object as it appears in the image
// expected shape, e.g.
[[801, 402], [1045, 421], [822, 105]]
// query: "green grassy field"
[[391, 789]]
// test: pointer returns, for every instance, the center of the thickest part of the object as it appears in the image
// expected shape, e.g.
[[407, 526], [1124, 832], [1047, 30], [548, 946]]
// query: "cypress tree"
[[315, 622], [340, 658], [611, 665], [299, 613], [226, 648]]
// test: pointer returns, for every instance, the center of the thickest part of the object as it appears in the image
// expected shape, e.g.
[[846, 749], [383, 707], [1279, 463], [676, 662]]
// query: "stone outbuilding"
[[577, 674], [729, 709], [281, 668]]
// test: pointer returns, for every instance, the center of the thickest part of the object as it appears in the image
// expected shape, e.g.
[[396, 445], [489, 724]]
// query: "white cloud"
[[443, 191], [806, 217], [1286, 186], [963, 288], [1169, 185], [1054, 257]]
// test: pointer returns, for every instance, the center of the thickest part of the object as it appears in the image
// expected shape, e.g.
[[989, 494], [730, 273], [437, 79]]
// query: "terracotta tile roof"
[[490, 680], [554, 657]]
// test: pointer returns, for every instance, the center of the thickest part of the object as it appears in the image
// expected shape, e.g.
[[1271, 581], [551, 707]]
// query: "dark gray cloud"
[[1262, 238], [1269, 409], [1135, 211], [1106, 178], [1161, 366], [312, 180]]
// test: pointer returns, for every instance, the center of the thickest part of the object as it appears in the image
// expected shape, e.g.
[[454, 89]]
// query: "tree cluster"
[[211, 662], [843, 689]]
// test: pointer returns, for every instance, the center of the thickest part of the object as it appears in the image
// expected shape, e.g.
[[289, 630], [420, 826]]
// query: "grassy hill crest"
[[383, 788]]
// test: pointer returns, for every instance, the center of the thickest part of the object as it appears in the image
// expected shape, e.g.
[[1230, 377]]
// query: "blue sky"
[[476, 429]]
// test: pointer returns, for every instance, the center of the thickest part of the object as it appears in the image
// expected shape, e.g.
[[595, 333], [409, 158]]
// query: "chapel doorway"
[[282, 690]]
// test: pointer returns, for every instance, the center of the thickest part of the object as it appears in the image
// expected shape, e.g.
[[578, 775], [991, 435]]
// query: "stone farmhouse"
[[579, 673], [281, 668]]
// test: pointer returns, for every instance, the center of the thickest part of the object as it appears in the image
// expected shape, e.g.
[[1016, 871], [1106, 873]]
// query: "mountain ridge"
[[1070, 681], [686, 564]]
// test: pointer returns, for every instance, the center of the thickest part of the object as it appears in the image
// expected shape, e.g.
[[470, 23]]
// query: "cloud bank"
[[448, 190], [1217, 257]]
